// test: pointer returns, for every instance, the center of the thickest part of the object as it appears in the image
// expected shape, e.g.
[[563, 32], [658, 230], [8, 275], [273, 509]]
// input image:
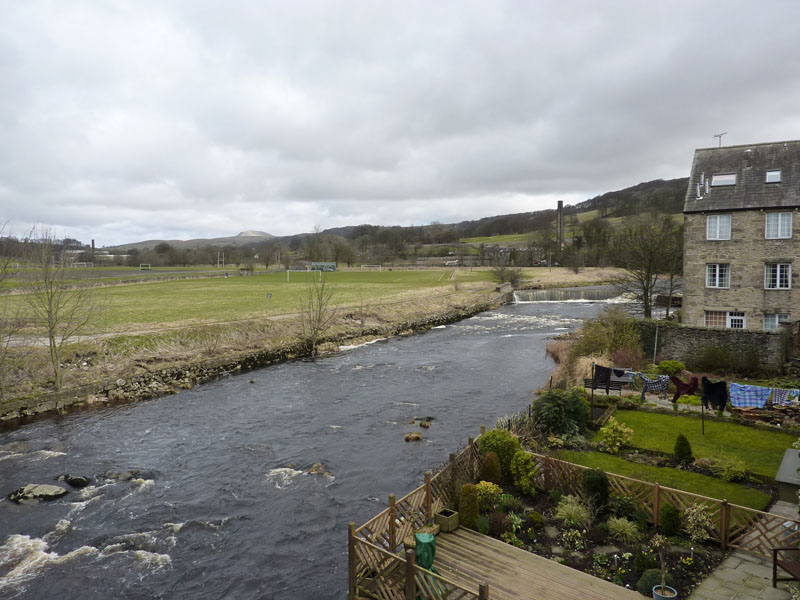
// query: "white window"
[[779, 226], [772, 321], [778, 276], [719, 319], [773, 176], [718, 275], [720, 179], [718, 227]]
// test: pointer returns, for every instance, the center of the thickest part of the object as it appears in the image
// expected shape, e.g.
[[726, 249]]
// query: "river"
[[222, 506]]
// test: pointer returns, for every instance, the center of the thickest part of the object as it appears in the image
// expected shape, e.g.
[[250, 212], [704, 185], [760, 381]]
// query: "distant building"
[[323, 266], [740, 217]]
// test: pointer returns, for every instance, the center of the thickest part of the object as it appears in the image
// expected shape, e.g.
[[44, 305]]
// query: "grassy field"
[[674, 478], [762, 451], [499, 239]]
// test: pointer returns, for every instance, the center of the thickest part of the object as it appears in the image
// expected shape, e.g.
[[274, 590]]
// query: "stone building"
[[741, 237]]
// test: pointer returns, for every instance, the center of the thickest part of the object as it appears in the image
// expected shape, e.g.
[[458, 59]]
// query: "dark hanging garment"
[[715, 394], [602, 378], [684, 389], [618, 372]]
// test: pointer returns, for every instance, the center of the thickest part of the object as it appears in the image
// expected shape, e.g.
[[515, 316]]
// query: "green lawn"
[[761, 450], [497, 239], [674, 478]]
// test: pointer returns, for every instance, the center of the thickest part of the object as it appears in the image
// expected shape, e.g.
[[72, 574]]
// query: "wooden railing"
[[737, 526], [377, 567]]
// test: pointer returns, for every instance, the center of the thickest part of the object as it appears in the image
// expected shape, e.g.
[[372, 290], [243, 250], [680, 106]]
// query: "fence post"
[[428, 497], [724, 523], [392, 525], [656, 505], [483, 429], [351, 560], [483, 591], [411, 590]]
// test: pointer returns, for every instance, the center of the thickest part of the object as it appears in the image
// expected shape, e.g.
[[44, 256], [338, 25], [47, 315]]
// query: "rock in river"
[[77, 481], [37, 491]]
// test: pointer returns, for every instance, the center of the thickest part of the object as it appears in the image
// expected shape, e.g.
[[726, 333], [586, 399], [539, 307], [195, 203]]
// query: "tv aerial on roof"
[[719, 136]]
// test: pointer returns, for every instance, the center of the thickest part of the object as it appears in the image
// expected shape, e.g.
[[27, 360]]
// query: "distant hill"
[[245, 238]]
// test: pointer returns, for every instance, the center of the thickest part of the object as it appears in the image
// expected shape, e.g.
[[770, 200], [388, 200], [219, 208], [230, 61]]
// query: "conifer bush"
[[596, 487], [504, 444], [524, 472], [670, 520], [683, 450], [468, 506], [490, 468]]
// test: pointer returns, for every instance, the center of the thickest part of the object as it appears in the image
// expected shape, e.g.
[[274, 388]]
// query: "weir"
[[605, 292]]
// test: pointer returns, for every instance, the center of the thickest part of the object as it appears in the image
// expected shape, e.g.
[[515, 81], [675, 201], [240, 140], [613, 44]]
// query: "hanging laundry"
[[749, 396], [784, 397], [659, 384], [715, 394], [682, 388], [602, 378], [619, 372]]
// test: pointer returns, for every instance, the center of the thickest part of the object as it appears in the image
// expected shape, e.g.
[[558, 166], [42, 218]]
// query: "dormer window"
[[773, 176], [721, 179]]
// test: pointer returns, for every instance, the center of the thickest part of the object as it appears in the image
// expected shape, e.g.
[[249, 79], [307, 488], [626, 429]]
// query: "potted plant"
[[446, 519], [661, 592]]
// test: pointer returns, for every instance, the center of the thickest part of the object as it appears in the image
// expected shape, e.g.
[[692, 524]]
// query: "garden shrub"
[[671, 367], [644, 560], [524, 472], [535, 519], [483, 524], [498, 524], [504, 444], [561, 413], [572, 512], [699, 523], [683, 450], [624, 507], [623, 530], [612, 330], [670, 520], [730, 468], [615, 435], [573, 540], [596, 488], [555, 496], [490, 468], [649, 579], [721, 359], [515, 522], [508, 503], [511, 538], [468, 506], [488, 495], [642, 519]]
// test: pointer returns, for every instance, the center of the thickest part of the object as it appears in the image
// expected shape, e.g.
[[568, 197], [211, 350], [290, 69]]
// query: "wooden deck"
[[469, 558]]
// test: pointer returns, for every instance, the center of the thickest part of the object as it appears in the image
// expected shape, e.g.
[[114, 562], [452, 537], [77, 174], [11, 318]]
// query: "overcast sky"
[[124, 121]]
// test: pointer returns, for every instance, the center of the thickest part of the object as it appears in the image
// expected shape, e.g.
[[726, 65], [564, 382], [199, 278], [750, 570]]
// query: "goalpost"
[[145, 267], [302, 271], [379, 267]]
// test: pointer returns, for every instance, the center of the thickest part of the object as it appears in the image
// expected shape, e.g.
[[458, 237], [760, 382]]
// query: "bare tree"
[[61, 302], [12, 350], [316, 312]]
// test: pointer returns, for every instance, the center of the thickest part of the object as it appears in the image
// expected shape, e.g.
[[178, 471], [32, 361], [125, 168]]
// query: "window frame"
[[778, 268], [778, 320], [717, 268], [772, 171], [781, 217], [723, 179], [724, 319], [735, 314], [716, 219]]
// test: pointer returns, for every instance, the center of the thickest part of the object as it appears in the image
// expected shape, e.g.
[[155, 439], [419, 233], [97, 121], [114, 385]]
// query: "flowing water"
[[221, 505]]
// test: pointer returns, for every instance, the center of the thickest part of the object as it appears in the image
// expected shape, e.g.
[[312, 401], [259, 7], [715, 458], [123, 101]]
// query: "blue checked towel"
[[749, 396], [659, 384], [784, 397]]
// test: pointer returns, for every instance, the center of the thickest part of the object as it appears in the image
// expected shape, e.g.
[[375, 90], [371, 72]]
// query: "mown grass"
[[496, 239], [762, 451], [673, 478]]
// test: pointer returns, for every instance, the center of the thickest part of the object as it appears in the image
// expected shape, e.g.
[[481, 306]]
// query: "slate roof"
[[750, 163]]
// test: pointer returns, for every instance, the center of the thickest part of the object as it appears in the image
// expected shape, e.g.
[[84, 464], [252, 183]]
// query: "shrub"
[[490, 468], [498, 524], [573, 540], [721, 359], [555, 496], [515, 522], [698, 522], [683, 450], [649, 579], [624, 507], [572, 512], [615, 435], [504, 444], [642, 519], [671, 367], [645, 560], [670, 520], [560, 412], [511, 538], [595, 485], [508, 503], [612, 330], [524, 472], [623, 530], [483, 525], [535, 519], [488, 495], [468, 506], [729, 468]]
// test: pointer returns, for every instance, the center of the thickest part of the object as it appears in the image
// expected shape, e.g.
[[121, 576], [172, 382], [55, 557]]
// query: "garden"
[[583, 521]]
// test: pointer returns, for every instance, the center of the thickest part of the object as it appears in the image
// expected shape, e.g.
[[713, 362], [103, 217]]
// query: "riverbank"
[[144, 375]]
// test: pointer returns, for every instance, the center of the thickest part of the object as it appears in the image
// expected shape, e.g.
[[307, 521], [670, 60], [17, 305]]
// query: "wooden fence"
[[737, 526], [379, 564]]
